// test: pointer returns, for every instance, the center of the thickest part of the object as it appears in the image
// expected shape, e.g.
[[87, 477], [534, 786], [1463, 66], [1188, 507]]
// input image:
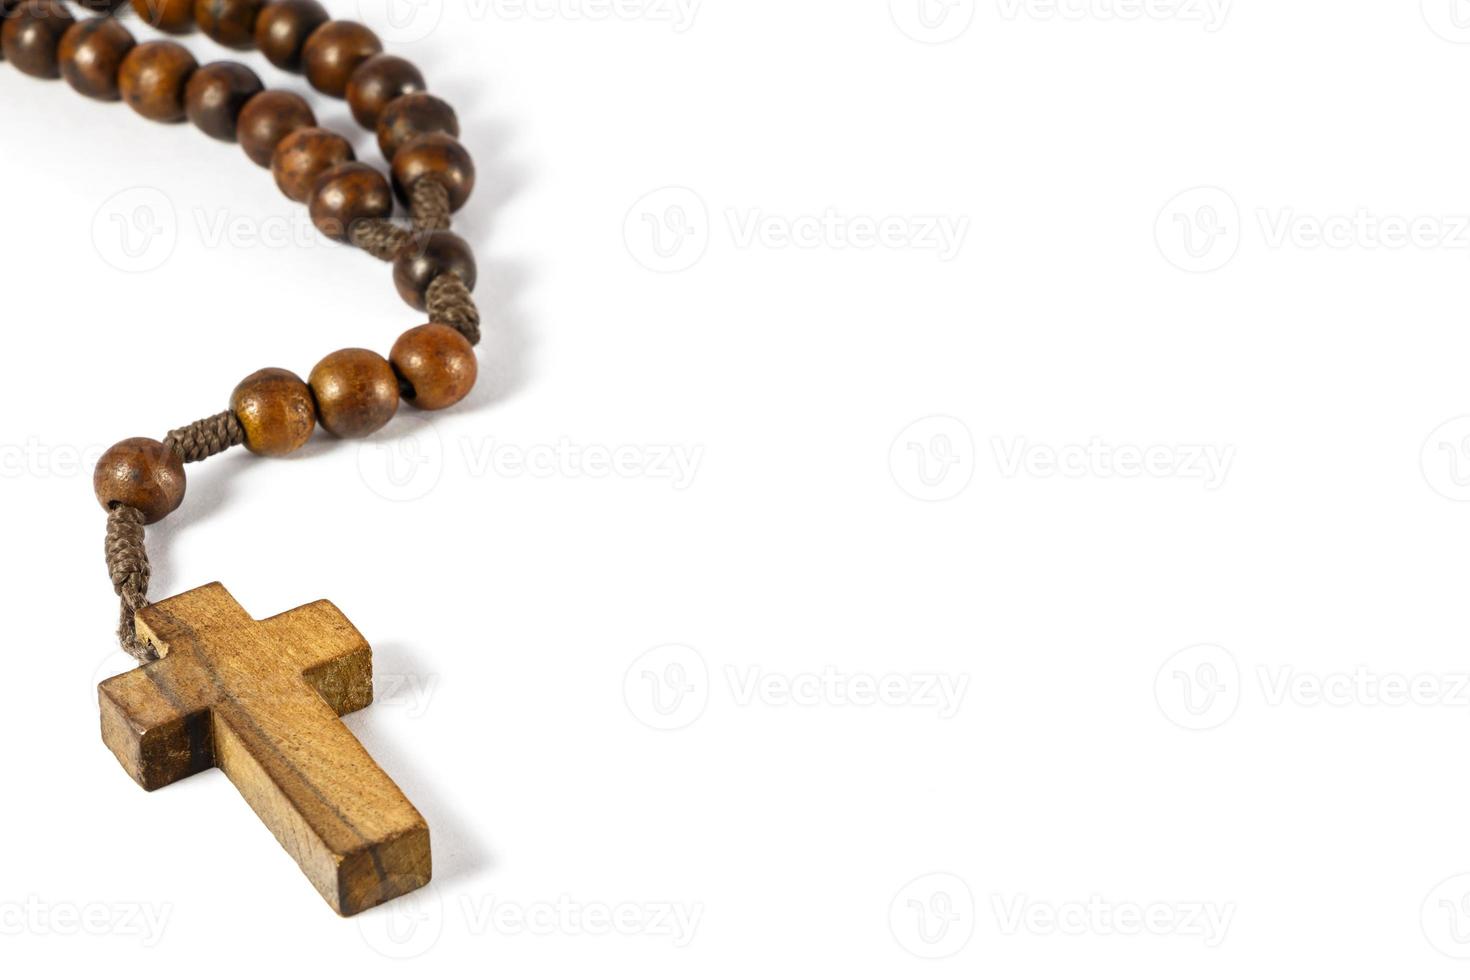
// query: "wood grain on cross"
[[261, 700]]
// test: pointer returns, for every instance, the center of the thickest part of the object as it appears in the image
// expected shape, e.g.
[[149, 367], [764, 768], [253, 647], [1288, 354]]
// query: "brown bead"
[[169, 16], [269, 118], [356, 392], [100, 6], [431, 255], [304, 156], [141, 473], [230, 22], [413, 115], [91, 52], [378, 81], [436, 155], [347, 194], [276, 411], [437, 364], [282, 28], [215, 95], [333, 52], [153, 77], [32, 34]]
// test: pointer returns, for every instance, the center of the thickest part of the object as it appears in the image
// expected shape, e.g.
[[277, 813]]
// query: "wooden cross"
[[262, 700]]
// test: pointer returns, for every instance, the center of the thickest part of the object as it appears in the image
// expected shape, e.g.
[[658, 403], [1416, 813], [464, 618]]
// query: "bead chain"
[[351, 392]]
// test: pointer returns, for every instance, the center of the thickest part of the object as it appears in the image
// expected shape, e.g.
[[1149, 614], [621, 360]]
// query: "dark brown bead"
[[356, 392], [346, 194], [153, 77], [378, 81], [169, 16], [436, 155], [230, 22], [413, 115], [91, 53], [304, 156], [431, 255], [215, 95], [276, 411], [282, 28], [32, 34], [436, 363], [269, 118], [141, 473], [333, 52], [100, 6]]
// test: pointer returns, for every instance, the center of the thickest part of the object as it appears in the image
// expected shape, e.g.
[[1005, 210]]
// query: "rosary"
[[262, 699]]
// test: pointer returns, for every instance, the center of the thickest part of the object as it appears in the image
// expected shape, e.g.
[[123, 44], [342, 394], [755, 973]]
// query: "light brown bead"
[[230, 22], [269, 118], [378, 81], [215, 95], [91, 53], [333, 52], [346, 194], [304, 156], [282, 28], [32, 35], [356, 392], [141, 473], [436, 155], [276, 410], [153, 78], [416, 114], [437, 364], [169, 16]]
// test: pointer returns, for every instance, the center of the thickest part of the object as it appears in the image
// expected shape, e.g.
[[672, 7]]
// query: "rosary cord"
[[449, 302]]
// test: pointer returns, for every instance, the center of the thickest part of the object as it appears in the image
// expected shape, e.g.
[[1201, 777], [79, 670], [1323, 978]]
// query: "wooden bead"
[[230, 22], [141, 473], [437, 363], [436, 155], [333, 52], [215, 95], [378, 81], [169, 16], [304, 156], [269, 118], [346, 194], [413, 115], [91, 52], [282, 28], [431, 255], [32, 34], [153, 77], [356, 392], [276, 411]]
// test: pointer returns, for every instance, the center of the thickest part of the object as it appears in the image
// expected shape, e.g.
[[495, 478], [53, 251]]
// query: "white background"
[[1160, 463]]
